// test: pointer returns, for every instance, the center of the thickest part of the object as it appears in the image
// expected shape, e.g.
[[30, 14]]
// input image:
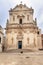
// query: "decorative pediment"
[[20, 16], [20, 7]]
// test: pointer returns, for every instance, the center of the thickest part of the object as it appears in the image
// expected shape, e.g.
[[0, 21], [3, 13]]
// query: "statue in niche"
[[34, 42], [28, 40], [12, 40]]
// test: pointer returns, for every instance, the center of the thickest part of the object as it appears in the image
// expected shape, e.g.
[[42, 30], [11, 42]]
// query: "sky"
[[37, 5]]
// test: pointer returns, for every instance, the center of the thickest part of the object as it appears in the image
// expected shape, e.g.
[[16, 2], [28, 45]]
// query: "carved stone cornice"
[[20, 16], [20, 28], [23, 26]]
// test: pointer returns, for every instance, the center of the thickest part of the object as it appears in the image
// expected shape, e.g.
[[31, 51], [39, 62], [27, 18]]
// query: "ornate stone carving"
[[28, 40], [21, 29], [12, 40]]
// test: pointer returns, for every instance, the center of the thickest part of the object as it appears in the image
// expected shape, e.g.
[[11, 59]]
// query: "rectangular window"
[[27, 17], [19, 44], [38, 32], [20, 21]]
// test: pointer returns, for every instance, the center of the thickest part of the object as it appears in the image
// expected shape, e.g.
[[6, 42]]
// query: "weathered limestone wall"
[[24, 19], [1, 35], [30, 40], [1, 38], [18, 28]]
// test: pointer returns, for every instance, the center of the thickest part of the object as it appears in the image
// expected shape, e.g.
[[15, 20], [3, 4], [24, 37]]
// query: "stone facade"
[[22, 31], [1, 38], [42, 40]]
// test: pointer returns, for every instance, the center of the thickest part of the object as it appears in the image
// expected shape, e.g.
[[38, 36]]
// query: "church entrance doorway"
[[19, 44]]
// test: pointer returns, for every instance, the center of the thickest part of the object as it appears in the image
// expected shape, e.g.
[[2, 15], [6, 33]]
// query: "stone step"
[[19, 50]]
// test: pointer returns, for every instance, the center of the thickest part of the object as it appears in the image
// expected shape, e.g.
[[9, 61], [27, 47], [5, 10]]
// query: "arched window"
[[0, 39], [20, 21]]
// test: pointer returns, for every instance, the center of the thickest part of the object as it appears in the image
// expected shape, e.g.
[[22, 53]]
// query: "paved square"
[[30, 58]]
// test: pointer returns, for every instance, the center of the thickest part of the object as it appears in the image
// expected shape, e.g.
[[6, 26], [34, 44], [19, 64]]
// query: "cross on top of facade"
[[21, 2]]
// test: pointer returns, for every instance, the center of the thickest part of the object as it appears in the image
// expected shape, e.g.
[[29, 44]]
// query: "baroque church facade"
[[22, 31]]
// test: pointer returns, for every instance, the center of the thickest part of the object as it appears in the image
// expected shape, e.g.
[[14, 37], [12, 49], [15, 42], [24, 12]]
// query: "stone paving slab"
[[33, 58]]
